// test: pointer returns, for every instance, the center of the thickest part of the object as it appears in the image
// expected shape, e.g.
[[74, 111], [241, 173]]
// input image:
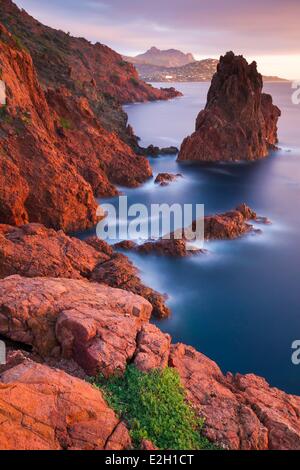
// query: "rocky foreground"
[[63, 322], [103, 329], [239, 122]]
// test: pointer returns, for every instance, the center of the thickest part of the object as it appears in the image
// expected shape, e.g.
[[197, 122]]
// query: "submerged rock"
[[163, 247], [226, 226], [229, 225], [239, 122], [163, 179]]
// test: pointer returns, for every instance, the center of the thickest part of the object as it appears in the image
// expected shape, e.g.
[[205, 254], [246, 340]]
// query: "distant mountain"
[[167, 58], [197, 71]]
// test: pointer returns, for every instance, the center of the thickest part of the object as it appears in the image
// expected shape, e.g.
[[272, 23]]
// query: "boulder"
[[153, 348], [94, 325], [45, 409], [121, 273], [163, 179]]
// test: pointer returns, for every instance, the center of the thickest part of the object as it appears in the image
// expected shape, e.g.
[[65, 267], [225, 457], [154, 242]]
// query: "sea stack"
[[239, 122]]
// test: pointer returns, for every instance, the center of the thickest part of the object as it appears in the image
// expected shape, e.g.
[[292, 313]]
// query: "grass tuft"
[[155, 407]]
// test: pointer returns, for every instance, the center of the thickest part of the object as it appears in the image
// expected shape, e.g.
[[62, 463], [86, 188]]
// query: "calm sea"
[[240, 303]]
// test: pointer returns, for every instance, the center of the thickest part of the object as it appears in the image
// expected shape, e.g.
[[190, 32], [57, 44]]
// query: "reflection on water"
[[240, 303]]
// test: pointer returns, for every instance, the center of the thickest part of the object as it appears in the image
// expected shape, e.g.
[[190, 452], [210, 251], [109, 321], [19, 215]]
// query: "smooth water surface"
[[240, 303]]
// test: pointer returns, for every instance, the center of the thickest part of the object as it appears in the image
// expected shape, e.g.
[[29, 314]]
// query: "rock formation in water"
[[164, 179], [239, 122], [226, 226], [64, 137]]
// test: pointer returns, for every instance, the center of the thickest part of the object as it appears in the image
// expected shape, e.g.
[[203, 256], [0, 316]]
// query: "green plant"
[[18, 42], [65, 123], [134, 81], [115, 78], [3, 112], [155, 407], [122, 63]]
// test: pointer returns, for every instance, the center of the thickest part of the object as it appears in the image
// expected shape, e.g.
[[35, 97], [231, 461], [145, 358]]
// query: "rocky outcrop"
[[229, 225], [120, 272], [164, 179], [100, 156], [46, 409], [49, 190], [162, 247], [103, 329], [64, 136], [33, 250], [93, 324], [226, 226], [242, 411], [153, 348], [239, 122], [91, 70], [154, 151]]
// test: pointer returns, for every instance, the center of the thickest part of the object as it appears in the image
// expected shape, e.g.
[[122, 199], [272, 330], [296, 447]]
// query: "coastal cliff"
[[64, 136], [239, 122]]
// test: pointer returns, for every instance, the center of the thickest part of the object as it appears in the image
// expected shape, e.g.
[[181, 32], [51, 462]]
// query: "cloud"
[[206, 28]]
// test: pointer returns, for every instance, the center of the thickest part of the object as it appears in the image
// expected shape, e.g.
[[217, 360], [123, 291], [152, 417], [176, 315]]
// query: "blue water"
[[240, 303]]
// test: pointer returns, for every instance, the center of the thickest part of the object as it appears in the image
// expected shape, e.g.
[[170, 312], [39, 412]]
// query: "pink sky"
[[265, 30]]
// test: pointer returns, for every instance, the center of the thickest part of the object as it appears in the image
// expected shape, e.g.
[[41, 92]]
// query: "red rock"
[[241, 412], [167, 247], [46, 409], [163, 179], [63, 132], [116, 163], [162, 247], [13, 193], [93, 324], [153, 348], [231, 224], [33, 250], [121, 273], [49, 189], [147, 445], [239, 122]]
